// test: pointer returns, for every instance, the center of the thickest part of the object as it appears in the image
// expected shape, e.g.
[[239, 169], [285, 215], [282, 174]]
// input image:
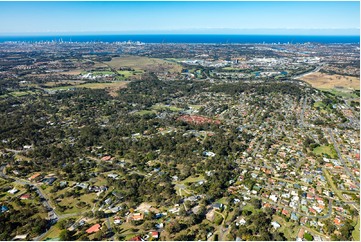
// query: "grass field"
[[356, 232], [195, 107], [325, 81], [323, 149], [20, 94], [70, 201], [65, 82], [101, 73], [192, 179], [345, 93], [128, 74], [171, 108], [231, 69], [101, 85], [112, 87], [286, 228], [72, 72], [144, 63], [145, 112]]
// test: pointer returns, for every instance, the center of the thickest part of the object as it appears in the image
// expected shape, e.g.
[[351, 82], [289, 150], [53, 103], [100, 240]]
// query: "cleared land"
[[72, 72], [111, 87], [323, 149], [356, 232], [325, 81], [144, 63]]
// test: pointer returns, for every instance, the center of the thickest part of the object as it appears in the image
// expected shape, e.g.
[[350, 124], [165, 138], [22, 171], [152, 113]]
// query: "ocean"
[[190, 38]]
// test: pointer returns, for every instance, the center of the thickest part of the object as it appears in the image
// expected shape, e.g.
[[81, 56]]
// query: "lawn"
[[128, 74], [171, 108], [193, 179], [195, 107], [325, 149], [53, 232], [286, 228], [65, 82], [20, 94], [102, 73], [319, 104], [96, 85], [356, 232], [249, 207], [231, 69], [345, 93], [71, 201], [111, 87], [145, 112]]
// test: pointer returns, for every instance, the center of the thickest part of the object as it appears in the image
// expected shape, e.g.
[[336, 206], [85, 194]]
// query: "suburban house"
[[93, 229]]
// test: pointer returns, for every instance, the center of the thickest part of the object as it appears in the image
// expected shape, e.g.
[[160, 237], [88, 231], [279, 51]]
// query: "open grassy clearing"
[[20, 94], [356, 232], [287, 228], [100, 73], [344, 93], [231, 69], [112, 87], [323, 149], [171, 108], [144, 63], [72, 72], [65, 82], [192, 179], [53, 233], [128, 74], [196, 107], [145, 112], [325, 81]]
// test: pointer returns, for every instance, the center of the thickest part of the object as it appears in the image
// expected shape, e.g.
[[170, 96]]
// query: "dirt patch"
[[326, 81]]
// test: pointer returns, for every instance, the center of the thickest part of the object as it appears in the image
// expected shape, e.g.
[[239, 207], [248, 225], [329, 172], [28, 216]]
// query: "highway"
[[309, 72]]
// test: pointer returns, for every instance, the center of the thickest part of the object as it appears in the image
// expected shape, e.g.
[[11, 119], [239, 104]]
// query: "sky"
[[180, 17]]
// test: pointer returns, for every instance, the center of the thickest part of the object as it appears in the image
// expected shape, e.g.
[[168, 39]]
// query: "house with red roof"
[[136, 238], [285, 212], [155, 234], [106, 158], [337, 221], [312, 210], [93, 229], [25, 196]]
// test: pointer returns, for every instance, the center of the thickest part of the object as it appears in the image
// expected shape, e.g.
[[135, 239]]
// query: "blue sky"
[[177, 17]]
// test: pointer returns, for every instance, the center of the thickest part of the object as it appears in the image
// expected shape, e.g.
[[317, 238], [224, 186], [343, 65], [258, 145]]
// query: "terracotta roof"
[[285, 212], [138, 216], [94, 228], [34, 176], [337, 221], [136, 238], [25, 196], [155, 234], [106, 158], [301, 233]]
